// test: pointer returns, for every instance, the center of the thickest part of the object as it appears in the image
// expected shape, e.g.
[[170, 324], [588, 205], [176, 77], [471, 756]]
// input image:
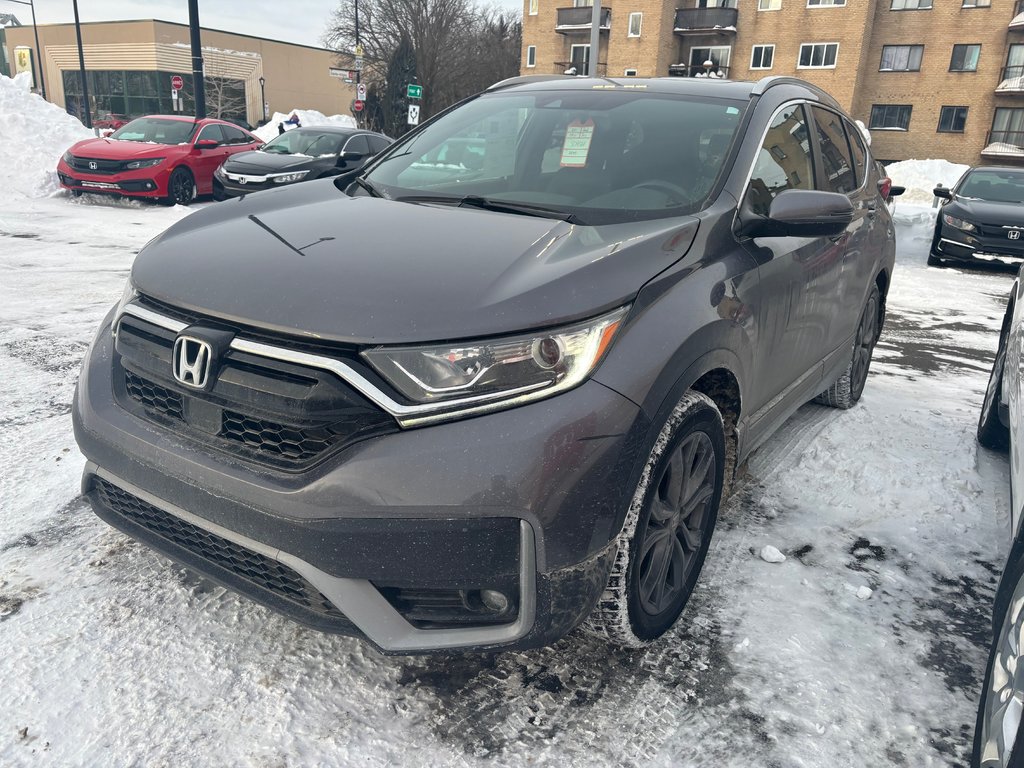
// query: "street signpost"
[[177, 82], [357, 105], [361, 92], [414, 114], [414, 91]]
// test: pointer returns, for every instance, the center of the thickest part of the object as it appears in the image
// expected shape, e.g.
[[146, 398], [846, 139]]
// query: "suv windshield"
[[156, 130], [302, 142], [603, 156], [997, 186]]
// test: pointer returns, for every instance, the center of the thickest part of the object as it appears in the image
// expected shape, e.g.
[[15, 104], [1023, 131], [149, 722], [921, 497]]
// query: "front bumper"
[[524, 501], [145, 182], [994, 246], [225, 186]]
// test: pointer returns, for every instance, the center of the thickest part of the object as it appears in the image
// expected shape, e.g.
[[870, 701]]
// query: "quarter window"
[[635, 22], [784, 161], [890, 116], [837, 165], [762, 56], [901, 58], [965, 58], [952, 120], [531, 55], [818, 55]]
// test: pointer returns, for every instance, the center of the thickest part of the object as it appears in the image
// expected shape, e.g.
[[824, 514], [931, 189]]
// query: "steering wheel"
[[672, 191]]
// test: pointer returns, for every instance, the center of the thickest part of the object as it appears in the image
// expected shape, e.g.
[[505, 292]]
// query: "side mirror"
[[348, 155], [207, 144], [943, 192], [803, 213], [896, 191]]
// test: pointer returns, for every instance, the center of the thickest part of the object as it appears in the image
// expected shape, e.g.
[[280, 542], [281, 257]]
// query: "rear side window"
[[378, 144], [837, 165], [235, 135], [784, 161], [860, 152], [358, 144]]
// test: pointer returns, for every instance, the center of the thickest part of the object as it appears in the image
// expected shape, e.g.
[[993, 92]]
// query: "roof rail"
[[520, 79], [765, 83]]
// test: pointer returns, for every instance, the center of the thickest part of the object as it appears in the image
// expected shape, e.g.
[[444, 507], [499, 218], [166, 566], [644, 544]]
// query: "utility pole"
[[359, 71], [197, 59], [38, 63], [595, 38], [81, 68]]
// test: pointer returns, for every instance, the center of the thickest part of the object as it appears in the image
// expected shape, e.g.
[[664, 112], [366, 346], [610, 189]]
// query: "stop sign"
[[357, 105], [177, 83]]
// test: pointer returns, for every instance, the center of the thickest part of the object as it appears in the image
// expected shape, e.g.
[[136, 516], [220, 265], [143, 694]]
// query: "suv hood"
[[114, 149], [308, 260]]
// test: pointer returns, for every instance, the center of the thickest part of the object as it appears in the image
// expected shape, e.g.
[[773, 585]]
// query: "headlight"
[[500, 372], [127, 295], [134, 165], [287, 178], [68, 157], [953, 221]]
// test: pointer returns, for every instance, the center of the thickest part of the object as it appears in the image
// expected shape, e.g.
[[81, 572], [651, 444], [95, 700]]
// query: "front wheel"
[[668, 527], [181, 187], [848, 388]]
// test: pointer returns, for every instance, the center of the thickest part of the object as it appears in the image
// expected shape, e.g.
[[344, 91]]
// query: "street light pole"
[[198, 87], [81, 69], [263, 97], [595, 38], [359, 72], [39, 51]]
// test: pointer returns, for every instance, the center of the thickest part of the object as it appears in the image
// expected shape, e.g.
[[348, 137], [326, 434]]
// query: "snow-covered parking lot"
[[864, 647]]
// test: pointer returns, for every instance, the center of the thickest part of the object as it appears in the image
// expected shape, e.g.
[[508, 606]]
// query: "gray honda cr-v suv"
[[500, 382]]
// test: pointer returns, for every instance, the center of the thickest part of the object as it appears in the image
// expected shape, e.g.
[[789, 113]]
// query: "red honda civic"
[[167, 157]]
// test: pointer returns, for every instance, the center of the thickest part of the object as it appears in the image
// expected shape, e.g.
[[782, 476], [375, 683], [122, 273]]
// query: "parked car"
[[165, 157], [301, 154], [473, 413], [983, 218], [998, 740], [109, 123]]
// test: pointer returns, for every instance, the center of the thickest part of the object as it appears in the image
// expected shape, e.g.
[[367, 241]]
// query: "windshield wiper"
[[501, 206], [368, 186]]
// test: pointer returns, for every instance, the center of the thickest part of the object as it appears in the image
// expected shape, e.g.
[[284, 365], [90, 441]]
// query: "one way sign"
[[414, 114]]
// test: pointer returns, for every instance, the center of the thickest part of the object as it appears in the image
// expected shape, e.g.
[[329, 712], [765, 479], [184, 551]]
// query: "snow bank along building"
[[931, 78], [129, 66]]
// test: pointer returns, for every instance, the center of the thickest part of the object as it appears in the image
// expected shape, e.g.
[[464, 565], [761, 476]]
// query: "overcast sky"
[[297, 21]]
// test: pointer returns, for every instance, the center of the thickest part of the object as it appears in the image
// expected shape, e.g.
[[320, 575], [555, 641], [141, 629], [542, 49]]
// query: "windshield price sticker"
[[576, 146]]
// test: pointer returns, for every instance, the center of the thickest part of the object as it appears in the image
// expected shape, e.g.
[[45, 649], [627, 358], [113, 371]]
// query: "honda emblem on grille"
[[191, 361], [1013, 234], [93, 165], [242, 180]]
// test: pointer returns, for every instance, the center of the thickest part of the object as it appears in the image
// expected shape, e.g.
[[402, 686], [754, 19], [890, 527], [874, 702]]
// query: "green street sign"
[[414, 91]]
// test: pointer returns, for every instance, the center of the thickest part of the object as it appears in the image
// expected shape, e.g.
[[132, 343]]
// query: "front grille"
[[258, 570], [279, 439], [102, 166], [153, 397]]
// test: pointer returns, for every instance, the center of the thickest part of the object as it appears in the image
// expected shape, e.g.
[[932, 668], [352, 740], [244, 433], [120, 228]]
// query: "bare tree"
[[225, 96]]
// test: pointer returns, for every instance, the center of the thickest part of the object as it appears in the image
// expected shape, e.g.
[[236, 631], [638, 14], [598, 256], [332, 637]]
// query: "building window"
[[762, 56], [534, 7], [823, 3], [579, 59], [965, 58], [894, 117], [769, 5], [952, 120], [531, 56], [1008, 126], [818, 55], [629, 73], [977, 3], [911, 5], [901, 58], [635, 22], [582, 3]]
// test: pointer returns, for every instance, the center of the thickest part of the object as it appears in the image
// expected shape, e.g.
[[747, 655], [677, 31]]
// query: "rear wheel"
[[848, 388], [668, 527], [992, 433], [181, 187]]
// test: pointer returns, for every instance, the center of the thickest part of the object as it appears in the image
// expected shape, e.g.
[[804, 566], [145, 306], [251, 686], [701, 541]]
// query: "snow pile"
[[307, 117], [35, 134], [920, 177]]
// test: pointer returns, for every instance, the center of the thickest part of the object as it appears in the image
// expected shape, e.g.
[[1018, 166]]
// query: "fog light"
[[494, 600]]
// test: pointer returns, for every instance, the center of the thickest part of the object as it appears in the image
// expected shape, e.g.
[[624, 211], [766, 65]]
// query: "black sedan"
[[998, 741], [300, 154], [983, 219]]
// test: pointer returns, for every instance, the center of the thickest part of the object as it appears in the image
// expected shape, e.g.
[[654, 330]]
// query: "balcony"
[[1012, 81], [701, 21], [1017, 22], [561, 67], [576, 21], [697, 70], [1004, 144]]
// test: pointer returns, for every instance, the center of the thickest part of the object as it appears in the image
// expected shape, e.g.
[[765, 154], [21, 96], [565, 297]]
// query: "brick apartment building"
[[931, 78]]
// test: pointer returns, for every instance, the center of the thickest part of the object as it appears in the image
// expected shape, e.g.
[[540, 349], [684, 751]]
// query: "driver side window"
[[211, 132], [784, 160]]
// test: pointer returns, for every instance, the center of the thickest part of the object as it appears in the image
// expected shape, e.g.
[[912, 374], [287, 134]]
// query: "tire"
[[668, 527], [181, 187], [847, 389], [992, 433], [1008, 619]]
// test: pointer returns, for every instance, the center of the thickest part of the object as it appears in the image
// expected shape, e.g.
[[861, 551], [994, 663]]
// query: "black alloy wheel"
[[181, 188], [864, 345]]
